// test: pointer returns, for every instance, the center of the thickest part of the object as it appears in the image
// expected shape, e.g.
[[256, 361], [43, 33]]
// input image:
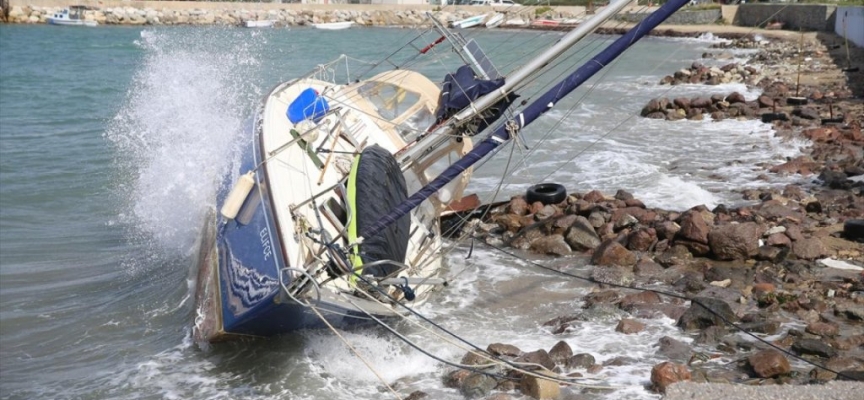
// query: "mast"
[[544, 103], [543, 59]]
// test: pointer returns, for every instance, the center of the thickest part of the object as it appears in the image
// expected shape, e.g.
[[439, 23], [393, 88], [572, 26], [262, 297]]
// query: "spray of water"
[[178, 130]]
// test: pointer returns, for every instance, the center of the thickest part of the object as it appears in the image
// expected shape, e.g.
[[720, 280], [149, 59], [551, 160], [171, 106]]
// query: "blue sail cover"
[[533, 111], [462, 88]]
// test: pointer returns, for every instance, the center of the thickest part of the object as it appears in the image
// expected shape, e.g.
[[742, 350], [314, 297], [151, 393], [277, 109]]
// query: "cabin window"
[[390, 100], [416, 124]]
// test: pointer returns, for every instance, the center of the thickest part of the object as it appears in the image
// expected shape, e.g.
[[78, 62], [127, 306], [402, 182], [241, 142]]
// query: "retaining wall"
[[683, 17], [849, 22], [807, 17]]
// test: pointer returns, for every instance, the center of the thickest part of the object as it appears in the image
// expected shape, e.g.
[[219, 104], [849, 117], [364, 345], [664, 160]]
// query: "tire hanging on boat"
[[375, 186]]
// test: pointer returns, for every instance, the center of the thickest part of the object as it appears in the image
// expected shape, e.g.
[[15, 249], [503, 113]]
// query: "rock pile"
[[717, 106], [699, 73]]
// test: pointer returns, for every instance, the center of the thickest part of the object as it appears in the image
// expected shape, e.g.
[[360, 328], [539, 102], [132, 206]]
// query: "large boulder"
[[611, 252], [735, 241], [698, 317], [581, 235], [667, 373], [693, 228], [769, 363]]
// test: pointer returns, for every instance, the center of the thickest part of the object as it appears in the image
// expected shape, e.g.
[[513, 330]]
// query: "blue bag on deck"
[[307, 105]]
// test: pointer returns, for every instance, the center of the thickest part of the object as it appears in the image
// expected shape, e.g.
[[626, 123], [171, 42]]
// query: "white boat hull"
[[71, 22], [495, 21], [259, 24], [469, 22], [334, 26]]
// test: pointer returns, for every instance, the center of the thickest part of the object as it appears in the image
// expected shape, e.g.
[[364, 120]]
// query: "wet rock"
[[644, 297], [711, 335], [809, 249], [554, 244], [501, 349], [561, 352], [735, 97], [766, 327], [698, 317], [806, 112], [642, 239], [735, 241], [477, 385], [455, 378], [582, 360], [540, 357], [517, 206], [667, 230], [614, 275], [675, 255], [581, 235], [539, 388], [693, 228], [815, 347], [769, 363], [673, 349], [647, 268], [822, 329], [667, 373], [473, 358], [417, 395], [611, 252], [849, 310], [601, 297], [629, 326]]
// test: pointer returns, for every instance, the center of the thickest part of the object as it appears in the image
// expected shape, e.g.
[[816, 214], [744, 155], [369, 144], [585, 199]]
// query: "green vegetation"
[[542, 10]]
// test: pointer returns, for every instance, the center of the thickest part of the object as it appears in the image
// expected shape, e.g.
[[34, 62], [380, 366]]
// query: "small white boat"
[[495, 20], [267, 23], [72, 16], [469, 22], [518, 21], [334, 26]]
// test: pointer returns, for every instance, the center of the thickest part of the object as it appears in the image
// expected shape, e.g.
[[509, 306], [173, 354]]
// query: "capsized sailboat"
[[315, 228]]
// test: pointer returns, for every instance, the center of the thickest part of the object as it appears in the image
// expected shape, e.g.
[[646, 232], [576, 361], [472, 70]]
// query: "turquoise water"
[[111, 143]]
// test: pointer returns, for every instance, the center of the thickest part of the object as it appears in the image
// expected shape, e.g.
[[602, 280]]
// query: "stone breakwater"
[[231, 17]]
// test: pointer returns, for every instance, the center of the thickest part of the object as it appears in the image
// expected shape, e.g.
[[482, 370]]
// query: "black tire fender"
[[854, 229], [546, 193]]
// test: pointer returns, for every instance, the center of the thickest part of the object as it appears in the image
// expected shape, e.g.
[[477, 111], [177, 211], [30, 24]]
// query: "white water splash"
[[178, 130]]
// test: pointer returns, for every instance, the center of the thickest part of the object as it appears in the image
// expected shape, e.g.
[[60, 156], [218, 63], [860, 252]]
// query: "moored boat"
[[334, 26], [495, 20], [264, 23], [469, 22], [72, 16]]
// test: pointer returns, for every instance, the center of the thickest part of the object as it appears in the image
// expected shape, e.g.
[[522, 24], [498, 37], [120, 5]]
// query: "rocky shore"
[[789, 265]]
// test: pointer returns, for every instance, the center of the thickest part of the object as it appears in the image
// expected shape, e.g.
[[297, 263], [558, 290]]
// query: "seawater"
[[112, 143]]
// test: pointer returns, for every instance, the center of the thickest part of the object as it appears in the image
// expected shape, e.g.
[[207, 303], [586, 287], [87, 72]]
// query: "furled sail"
[[533, 111]]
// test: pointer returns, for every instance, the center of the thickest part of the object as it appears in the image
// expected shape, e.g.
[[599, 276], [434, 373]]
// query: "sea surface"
[[113, 139]]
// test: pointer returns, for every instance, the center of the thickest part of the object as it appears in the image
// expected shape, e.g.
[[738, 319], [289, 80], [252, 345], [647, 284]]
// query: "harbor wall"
[[124, 12]]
